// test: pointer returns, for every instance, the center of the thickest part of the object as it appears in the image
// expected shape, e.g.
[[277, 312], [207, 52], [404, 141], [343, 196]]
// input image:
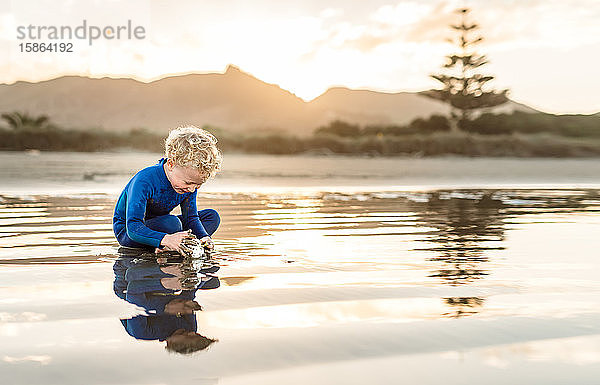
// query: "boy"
[[142, 214]]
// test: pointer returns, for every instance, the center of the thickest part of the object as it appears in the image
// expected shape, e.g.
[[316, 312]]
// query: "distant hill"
[[234, 100], [371, 107]]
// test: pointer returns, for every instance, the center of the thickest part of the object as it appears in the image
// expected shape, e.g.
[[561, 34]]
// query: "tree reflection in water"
[[471, 223], [468, 224], [463, 306]]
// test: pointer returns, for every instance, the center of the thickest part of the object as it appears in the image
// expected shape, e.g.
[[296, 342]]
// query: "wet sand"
[[422, 285]]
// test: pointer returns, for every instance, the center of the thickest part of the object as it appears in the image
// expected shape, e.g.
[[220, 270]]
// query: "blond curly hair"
[[190, 146]]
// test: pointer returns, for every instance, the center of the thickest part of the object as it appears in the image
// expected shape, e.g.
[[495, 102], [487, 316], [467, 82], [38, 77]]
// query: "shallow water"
[[316, 283]]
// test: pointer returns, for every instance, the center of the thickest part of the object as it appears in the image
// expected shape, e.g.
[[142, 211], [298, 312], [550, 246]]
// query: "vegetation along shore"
[[517, 135]]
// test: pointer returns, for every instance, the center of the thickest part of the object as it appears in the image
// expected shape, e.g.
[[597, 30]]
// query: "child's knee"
[[210, 219], [167, 224], [174, 224], [212, 215]]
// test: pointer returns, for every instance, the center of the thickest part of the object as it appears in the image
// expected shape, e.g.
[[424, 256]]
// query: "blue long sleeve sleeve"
[[189, 214]]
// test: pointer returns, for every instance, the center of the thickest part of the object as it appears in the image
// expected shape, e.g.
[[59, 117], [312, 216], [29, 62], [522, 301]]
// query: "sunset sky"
[[546, 52]]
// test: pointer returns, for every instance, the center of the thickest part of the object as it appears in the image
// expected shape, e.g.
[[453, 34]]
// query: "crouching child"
[[142, 216]]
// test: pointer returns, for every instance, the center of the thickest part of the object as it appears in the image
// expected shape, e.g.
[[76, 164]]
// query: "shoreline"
[[75, 172]]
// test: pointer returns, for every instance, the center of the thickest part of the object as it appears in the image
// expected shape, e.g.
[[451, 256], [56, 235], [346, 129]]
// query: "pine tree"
[[464, 87]]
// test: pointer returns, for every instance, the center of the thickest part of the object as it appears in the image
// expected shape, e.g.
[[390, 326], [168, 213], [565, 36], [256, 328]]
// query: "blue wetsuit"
[[142, 219]]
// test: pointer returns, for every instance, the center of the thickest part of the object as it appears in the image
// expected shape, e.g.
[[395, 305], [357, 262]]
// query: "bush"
[[340, 128], [534, 123], [272, 144], [435, 123]]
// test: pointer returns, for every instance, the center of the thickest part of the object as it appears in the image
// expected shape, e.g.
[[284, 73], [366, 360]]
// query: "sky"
[[547, 52]]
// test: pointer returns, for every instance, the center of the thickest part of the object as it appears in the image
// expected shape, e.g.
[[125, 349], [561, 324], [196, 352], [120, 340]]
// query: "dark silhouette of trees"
[[464, 88], [340, 128], [434, 123]]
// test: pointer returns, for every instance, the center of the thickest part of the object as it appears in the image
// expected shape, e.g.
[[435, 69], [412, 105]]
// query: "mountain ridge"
[[233, 100]]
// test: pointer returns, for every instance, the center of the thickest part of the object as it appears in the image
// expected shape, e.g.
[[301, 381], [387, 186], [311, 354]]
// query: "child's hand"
[[173, 241], [207, 243]]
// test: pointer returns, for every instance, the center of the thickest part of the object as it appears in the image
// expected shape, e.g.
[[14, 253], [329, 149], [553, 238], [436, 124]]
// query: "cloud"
[[404, 22], [329, 13], [43, 360], [404, 13], [557, 24]]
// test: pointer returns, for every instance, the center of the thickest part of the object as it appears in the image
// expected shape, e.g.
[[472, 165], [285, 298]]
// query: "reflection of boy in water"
[[170, 311]]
